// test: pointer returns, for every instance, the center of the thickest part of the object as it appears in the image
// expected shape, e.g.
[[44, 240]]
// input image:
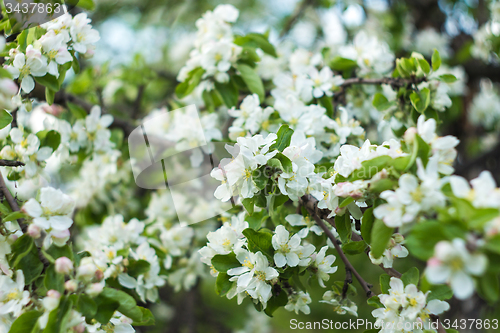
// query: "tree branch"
[[294, 18], [15, 208], [9, 163], [347, 263], [396, 82]]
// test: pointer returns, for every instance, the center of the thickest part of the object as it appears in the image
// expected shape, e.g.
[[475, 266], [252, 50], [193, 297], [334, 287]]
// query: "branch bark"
[[15, 207], [294, 18], [9, 163], [396, 82], [366, 287]]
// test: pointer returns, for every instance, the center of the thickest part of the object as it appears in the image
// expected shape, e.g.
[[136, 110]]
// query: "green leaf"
[[19, 249], [255, 221], [381, 234], [26, 322], [436, 60], [370, 168], [138, 267], [249, 204], [424, 236], [86, 4], [424, 65], [380, 102], [276, 301], [51, 139], [326, 102], [49, 95], [346, 201], [13, 216], [385, 280], [228, 92], [52, 280], [86, 306], [411, 276], [489, 287], [127, 304], [5, 119], [77, 111], [106, 307], [252, 80], [420, 100], [375, 302], [185, 88], [256, 40], [342, 64], [493, 244], [59, 316], [259, 241], [147, 318], [285, 162], [448, 78], [31, 266], [353, 248], [222, 285], [441, 292], [60, 251], [224, 262], [49, 81], [343, 226], [284, 137], [367, 225]]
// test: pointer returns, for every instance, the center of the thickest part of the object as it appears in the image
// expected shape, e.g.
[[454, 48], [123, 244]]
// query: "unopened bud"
[[52, 300], [63, 265], [94, 289], [71, 285], [99, 275], [34, 231], [409, 135]]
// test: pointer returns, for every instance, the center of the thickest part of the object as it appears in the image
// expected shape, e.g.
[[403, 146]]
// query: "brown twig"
[[9, 163], [347, 263], [15, 207], [294, 18], [395, 82]]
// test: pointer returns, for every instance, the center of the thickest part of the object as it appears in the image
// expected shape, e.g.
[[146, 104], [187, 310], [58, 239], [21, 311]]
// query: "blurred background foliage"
[[144, 43]]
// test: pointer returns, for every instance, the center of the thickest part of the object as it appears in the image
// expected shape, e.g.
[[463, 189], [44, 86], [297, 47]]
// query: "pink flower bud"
[[99, 275], [53, 294], [71, 285], [80, 328], [63, 265], [8, 87], [94, 289], [409, 135], [34, 231]]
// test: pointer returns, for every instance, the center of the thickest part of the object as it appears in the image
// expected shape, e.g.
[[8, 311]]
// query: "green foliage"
[[411, 276], [50, 139], [421, 100], [381, 234], [284, 137], [5, 119], [277, 300], [252, 80], [256, 40], [228, 92], [343, 225], [138, 267], [224, 262], [256, 220], [342, 64], [259, 241], [26, 323], [436, 60], [222, 284], [53, 280], [193, 79]]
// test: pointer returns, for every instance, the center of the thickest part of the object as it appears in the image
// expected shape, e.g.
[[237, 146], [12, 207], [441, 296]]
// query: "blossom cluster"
[[64, 36], [406, 306]]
